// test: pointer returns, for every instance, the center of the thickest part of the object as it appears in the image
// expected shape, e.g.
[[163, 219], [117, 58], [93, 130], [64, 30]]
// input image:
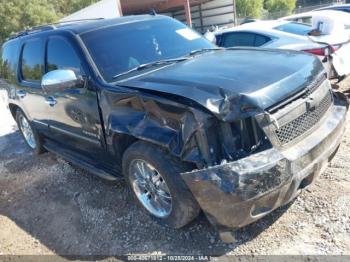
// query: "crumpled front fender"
[[238, 193]]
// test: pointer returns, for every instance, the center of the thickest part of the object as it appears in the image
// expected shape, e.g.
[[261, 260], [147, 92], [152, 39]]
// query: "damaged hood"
[[233, 83]]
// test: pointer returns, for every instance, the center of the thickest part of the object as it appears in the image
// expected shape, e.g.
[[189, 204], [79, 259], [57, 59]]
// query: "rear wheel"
[[154, 179], [29, 133]]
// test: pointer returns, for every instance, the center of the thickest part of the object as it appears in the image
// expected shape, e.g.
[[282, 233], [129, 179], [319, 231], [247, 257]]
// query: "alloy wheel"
[[150, 188]]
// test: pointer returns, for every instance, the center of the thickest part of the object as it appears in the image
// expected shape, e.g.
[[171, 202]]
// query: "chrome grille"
[[304, 122]]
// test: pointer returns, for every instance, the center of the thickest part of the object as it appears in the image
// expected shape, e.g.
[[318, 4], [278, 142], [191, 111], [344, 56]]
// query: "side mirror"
[[60, 80]]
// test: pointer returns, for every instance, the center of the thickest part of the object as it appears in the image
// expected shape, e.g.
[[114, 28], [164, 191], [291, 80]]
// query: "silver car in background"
[[280, 34]]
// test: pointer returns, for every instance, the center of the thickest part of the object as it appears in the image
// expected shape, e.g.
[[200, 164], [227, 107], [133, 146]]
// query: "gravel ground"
[[48, 206]]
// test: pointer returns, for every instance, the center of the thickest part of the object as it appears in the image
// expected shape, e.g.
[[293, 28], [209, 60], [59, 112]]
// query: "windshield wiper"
[[203, 50], [151, 64], [166, 61]]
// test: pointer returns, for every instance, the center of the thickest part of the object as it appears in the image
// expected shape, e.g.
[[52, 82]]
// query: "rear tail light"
[[317, 51], [323, 51]]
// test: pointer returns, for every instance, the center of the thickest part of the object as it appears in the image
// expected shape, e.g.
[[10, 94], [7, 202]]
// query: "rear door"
[[74, 119], [29, 92]]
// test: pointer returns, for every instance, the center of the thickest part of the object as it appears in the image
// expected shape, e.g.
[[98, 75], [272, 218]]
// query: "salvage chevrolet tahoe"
[[235, 132]]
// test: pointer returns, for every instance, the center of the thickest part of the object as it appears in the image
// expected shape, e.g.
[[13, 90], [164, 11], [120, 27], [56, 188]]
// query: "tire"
[[184, 207], [35, 142]]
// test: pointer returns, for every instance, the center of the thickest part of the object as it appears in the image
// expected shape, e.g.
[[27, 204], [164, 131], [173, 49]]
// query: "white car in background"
[[306, 18], [334, 25], [283, 35]]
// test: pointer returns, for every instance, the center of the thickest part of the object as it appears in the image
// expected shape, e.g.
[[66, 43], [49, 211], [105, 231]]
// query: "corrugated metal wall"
[[101, 9], [218, 12]]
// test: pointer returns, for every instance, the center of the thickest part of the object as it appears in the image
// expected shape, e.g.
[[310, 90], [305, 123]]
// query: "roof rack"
[[78, 20], [32, 30], [46, 27]]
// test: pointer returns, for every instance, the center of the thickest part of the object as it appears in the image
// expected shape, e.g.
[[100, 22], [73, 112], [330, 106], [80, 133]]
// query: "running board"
[[71, 157]]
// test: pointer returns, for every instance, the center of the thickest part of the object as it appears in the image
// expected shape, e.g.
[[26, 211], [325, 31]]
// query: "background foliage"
[[249, 8], [256, 8], [16, 15], [283, 6]]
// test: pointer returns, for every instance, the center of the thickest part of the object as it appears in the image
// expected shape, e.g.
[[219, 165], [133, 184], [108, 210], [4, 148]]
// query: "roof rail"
[[78, 20], [46, 27], [32, 30]]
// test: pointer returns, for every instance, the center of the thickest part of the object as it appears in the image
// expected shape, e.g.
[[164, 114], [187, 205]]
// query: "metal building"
[[200, 14]]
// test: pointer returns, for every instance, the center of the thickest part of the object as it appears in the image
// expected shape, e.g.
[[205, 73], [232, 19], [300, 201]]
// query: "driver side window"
[[61, 55]]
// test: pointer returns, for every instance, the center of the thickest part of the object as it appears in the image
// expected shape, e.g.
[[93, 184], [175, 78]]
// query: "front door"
[[74, 119]]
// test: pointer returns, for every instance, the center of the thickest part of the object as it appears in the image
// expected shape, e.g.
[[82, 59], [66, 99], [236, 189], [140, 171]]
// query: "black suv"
[[235, 132]]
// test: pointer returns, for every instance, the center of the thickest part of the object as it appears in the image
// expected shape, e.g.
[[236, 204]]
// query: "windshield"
[[117, 49], [295, 28]]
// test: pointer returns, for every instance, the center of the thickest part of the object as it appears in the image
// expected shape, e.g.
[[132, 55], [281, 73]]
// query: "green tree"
[[17, 15], [282, 7], [249, 8], [66, 7]]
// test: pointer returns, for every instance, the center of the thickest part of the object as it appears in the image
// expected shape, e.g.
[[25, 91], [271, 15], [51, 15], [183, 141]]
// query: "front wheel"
[[154, 179], [29, 133]]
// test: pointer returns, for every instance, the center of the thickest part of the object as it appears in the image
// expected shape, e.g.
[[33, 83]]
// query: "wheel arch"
[[13, 109], [120, 143], [125, 129]]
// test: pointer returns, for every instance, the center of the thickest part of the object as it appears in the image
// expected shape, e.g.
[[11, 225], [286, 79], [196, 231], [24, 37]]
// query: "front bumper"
[[238, 193]]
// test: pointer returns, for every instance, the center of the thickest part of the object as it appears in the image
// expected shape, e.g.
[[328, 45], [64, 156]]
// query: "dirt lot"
[[49, 207]]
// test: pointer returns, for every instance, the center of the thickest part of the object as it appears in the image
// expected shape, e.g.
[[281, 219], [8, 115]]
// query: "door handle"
[[50, 101], [21, 93]]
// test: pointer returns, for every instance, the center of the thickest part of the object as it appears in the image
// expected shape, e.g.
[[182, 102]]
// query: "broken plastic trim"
[[238, 193]]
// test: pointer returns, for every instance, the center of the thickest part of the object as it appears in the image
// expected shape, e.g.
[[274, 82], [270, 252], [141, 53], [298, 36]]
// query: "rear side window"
[[9, 60], [243, 39], [32, 62], [306, 20], [261, 40], [61, 55], [303, 20], [294, 28]]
